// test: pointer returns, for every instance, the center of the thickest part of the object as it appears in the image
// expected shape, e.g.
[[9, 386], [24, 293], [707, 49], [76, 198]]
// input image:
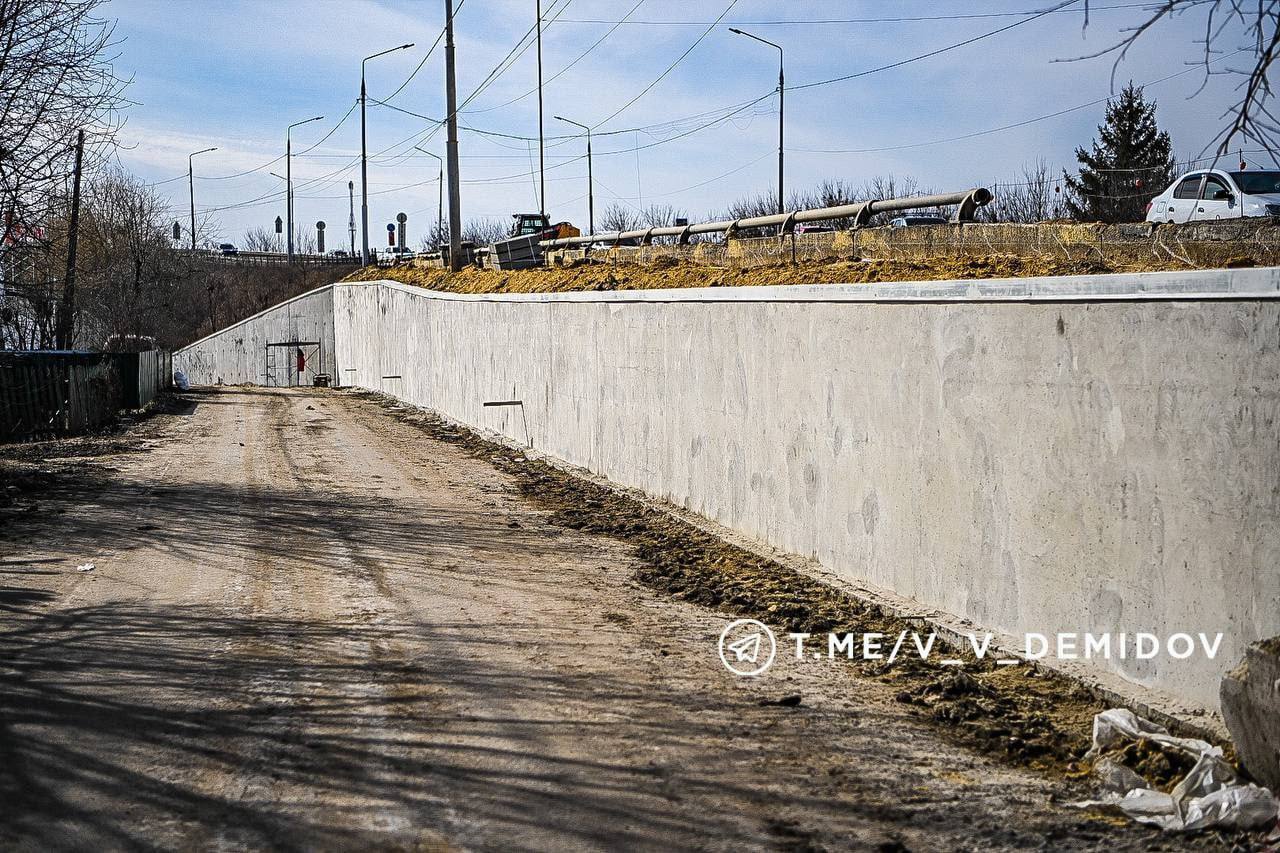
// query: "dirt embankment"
[[608, 276]]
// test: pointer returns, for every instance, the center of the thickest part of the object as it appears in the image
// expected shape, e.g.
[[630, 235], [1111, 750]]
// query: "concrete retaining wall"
[[1055, 455], [239, 354]]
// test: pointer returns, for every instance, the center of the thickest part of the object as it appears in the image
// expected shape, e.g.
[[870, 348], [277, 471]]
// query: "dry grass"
[[608, 276]]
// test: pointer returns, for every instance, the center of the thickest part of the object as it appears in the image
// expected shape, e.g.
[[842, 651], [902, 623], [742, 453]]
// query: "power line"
[[325, 138], [553, 14], [501, 179], [517, 50], [578, 59], [1037, 16], [563, 138], [669, 68], [827, 21], [1004, 127], [267, 164], [430, 51]]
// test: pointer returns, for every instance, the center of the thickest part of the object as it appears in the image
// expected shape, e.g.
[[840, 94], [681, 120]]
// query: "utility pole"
[[351, 222], [451, 145], [591, 202], [440, 182], [364, 157], [66, 315], [288, 179], [781, 92], [364, 178], [542, 169], [191, 185]]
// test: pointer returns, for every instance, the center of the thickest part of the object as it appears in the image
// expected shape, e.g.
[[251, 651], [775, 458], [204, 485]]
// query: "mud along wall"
[[239, 354], [1052, 455]]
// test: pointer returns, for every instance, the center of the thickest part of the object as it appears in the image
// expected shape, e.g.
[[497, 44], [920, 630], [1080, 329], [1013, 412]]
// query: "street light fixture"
[[288, 180], [364, 157], [191, 185], [591, 201], [440, 212], [781, 90]]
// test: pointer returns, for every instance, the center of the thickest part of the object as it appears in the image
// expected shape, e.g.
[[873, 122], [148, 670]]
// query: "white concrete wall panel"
[[238, 354]]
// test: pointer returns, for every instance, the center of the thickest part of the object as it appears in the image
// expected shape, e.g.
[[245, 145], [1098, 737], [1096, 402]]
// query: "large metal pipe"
[[967, 202]]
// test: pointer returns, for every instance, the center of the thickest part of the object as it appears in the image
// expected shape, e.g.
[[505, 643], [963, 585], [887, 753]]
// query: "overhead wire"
[[936, 51], [1004, 127], [423, 62], [576, 60], [718, 116], [669, 68], [1147, 4]]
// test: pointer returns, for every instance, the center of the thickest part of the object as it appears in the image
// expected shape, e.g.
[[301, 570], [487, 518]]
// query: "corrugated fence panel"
[[51, 393]]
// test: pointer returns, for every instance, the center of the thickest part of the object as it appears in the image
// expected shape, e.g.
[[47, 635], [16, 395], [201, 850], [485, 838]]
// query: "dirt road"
[[311, 626]]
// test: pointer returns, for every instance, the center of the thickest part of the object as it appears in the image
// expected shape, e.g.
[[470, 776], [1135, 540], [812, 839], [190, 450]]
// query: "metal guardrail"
[[270, 258], [967, 203]]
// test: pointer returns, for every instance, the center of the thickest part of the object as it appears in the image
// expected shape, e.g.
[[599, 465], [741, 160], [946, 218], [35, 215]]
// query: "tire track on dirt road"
[[347, 633]]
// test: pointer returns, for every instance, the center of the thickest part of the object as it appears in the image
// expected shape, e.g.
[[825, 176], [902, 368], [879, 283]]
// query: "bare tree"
[[1034, 196], [619, 217], [437, 235], [126, 262], [56, 78], [758, 204], [1251, 117], [261, 240], [304, 242], [661, 216], [483, 231]]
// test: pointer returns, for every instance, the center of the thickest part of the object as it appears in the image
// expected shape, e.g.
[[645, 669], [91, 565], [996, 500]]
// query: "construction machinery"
[[523, 248]]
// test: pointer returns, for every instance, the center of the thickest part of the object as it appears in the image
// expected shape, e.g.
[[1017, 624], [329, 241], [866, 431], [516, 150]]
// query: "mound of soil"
[[672, 273]]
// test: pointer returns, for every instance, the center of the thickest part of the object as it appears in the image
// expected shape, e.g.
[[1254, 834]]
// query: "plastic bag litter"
[[180, 381], [85, 567], [1210, 795]]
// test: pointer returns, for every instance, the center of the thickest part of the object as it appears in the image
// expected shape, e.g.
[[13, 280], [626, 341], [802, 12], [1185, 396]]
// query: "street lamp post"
[[288, 180], [288, 191], [191, 185], [591, 202], [440, 211], [781, 91], [364, 157], [351, 220]]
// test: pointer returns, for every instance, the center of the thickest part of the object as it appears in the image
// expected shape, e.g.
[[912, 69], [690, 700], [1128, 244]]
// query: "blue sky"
[[234, 74]]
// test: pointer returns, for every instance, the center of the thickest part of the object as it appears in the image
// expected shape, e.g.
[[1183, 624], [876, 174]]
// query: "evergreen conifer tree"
[[1131, 162]]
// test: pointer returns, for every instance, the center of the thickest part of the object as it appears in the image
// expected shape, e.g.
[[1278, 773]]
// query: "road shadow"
[[131, 726]]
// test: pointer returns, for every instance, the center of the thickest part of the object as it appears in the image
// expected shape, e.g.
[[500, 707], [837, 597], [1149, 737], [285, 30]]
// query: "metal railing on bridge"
[[271, 258], [966, 202]]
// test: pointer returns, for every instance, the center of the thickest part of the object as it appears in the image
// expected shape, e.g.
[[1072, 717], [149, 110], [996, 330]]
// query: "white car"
[[1214, 194]]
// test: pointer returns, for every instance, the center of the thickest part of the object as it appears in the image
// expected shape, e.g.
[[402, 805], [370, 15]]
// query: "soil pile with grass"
[[607, 276]]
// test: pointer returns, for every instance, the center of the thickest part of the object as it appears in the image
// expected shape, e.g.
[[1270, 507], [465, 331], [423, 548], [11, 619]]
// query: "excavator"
[[522, 248]]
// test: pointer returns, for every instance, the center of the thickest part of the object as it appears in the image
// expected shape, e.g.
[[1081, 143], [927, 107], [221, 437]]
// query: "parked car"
[[1209, 194], [338, 253], [908, 221], [228, 249]]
